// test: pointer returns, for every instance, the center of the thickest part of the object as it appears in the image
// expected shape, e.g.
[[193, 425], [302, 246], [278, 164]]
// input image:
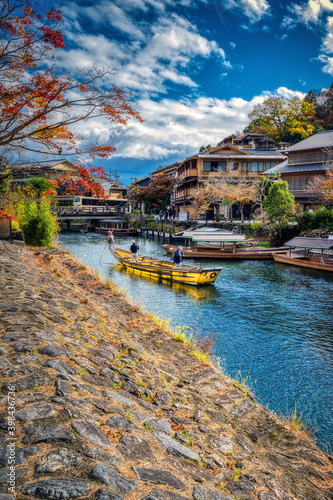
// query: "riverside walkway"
[[111, 407]]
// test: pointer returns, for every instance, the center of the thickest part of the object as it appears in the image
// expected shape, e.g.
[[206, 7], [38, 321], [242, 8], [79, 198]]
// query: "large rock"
[[241, 410], [112, 478], [159, 424], [21, 454], [62, 388], [135, 448], [241, 489], [61, 367], [176, 448], [54, 351], [97, 454], [105, 494], [26, 345], [119, 399], [48, 433], [59, 459], [222, 444], [157, 476], [91, 433], [4, 363], [56, 489], [5, 474], [205, 493], [38, 411], [28, 382], [121, 423], [163, 495]]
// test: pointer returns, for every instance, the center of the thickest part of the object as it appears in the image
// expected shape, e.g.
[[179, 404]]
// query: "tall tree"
[[38, 103], [157, 194], [279, 203], [284, 120]]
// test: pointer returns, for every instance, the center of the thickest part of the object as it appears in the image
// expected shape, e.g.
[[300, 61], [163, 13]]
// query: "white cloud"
[[310, 12], [253, 9], [179, 128]]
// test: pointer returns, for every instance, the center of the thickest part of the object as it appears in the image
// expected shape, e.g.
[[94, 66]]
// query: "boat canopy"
[[227, 237], [206, 231], [316, 243]]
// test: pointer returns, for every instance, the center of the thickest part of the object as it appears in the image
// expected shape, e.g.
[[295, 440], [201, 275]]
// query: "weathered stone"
[[119, 399], [21, 454], [62, 388], [265, 495], [91, 378], [205, 493], [4, 363], [4, 474], [121, 423], [29, 358], [241, 489], [199, 474], [14, 336], [56, 489], [135, 448], [163, 495], [205, 429], [17, 370], [80, 415], [38, 411], [59, 459], [28, 382], [54, 351], [112, 478], [105, 405], [175, 448], [241, 410], [216, 416], [61, 366], [3, 351], [157, 476], [48, 433], [29, 397], [246, 443], [105, 494], [85, 365], [4, 496], [222, 400], [26, 345], [159, 424], [98, 454], [87, 388], [214, 462], [222, 444], [91, 433], [107, 355], [278, 490], [80, 403]]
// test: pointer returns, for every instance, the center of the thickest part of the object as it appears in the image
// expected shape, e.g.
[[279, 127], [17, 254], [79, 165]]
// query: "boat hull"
[[312, 263], [153, 268], [210, 253]]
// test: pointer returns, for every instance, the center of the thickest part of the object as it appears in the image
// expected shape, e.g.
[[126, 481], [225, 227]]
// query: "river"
[[273, 323]]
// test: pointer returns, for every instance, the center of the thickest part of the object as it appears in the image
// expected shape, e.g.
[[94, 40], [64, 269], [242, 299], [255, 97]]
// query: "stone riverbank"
[[109, 406]]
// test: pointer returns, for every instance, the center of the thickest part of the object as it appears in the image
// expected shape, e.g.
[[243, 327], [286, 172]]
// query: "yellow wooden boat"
[[148, 266]]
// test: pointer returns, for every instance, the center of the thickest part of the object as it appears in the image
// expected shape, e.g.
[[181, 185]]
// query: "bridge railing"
[[85, 210]]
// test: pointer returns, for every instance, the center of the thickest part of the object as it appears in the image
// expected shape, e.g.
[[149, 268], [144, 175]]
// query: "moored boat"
[[309, 253], [117, 226], [259, 253], [148, 266]]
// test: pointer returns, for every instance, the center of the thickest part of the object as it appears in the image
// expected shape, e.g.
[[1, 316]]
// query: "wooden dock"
[[153, 233]]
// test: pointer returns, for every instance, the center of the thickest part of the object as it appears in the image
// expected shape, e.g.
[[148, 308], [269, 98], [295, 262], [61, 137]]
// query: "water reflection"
[[273, 323], [199, 293]]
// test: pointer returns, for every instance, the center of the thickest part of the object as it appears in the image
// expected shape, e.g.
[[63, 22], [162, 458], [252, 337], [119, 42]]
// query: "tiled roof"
[[277, 169], [45, 163], [249, 152], [319, 140], [305, 167]]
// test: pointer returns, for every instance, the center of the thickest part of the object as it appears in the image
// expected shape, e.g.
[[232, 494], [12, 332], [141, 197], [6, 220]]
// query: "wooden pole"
[[103, 253]]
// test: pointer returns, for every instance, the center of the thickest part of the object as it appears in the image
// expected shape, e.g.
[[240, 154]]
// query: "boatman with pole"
[[134, 251], [110, 239]]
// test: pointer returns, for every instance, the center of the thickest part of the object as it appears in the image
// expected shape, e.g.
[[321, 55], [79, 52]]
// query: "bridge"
[[89, 216]]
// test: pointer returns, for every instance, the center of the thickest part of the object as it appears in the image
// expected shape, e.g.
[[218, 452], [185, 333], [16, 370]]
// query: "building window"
[[270, 164], [233, 165], [215, 166], [206, 166], [257, 166], [244, 166]]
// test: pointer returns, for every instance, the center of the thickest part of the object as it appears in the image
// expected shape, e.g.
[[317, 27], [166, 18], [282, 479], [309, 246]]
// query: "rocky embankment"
[[109, 406]]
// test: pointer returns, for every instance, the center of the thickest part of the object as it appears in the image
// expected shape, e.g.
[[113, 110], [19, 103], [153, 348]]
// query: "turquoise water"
[[273, 323]]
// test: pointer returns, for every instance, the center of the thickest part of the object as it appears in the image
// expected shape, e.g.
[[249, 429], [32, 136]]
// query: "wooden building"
[[306, 159], [234, 159]]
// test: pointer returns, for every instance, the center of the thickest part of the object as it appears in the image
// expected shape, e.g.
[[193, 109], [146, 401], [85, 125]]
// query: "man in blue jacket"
[[134, 251], [178, 257]]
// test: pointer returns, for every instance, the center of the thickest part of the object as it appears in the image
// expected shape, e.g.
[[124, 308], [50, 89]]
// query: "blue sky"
[[195, 68]]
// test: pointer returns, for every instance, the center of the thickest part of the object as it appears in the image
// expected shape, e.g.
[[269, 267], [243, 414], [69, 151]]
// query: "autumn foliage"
[[38, 103], [321, 188], [156, 195]]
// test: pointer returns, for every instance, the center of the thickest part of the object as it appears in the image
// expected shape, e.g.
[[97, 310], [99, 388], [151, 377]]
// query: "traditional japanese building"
[[306, 159], [233, 159]]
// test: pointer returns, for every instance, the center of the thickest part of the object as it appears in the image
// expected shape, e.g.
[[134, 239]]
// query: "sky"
[[194, 68]]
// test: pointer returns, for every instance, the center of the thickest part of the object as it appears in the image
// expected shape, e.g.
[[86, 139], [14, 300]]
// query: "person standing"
[[178, 257], [134, 251], [110, 239]]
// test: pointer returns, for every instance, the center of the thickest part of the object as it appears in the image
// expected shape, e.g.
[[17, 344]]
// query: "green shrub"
[[256, 226], [320, 219], [37, 222]]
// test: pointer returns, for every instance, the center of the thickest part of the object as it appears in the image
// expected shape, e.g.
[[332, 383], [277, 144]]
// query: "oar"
[[102, 253]]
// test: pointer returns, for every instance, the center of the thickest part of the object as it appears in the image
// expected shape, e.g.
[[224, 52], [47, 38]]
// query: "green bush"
[[37, 222], [320, 219], [256, 226]]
